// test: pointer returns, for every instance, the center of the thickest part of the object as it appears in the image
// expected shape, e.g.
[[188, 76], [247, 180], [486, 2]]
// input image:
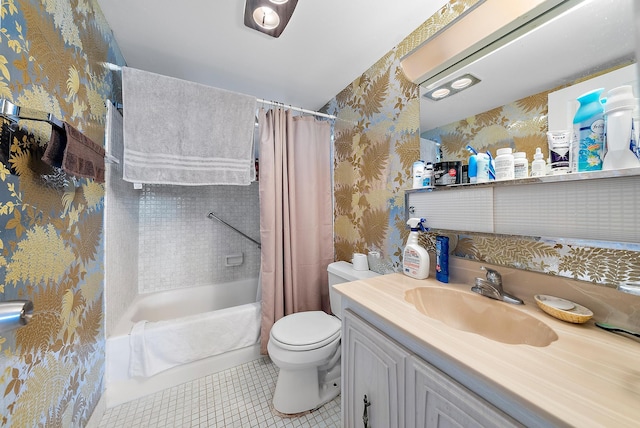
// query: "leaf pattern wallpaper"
[[52, 56], [377, 140]]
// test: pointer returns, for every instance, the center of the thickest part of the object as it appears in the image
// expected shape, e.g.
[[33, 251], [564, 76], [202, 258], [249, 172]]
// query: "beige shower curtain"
[[296, 215]]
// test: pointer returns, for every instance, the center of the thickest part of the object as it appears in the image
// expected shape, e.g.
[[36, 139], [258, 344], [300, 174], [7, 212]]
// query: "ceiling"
[[327, 44]]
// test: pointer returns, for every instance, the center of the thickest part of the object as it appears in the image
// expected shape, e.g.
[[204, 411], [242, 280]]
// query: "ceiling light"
[[440, 91], [461, 83], [268, 16]]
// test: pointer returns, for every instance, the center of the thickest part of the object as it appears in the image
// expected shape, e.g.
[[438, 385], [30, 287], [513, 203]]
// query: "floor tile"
[[237, 397]]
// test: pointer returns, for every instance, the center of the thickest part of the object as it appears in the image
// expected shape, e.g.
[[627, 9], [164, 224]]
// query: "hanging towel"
[[75, 153], [113, 133], [184, 133]]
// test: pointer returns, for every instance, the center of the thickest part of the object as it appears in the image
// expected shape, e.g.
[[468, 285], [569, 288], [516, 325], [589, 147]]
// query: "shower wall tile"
[[121, 244], [180, 247]]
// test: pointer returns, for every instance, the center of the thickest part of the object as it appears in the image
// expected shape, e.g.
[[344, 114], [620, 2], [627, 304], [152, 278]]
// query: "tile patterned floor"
[[238, 397]]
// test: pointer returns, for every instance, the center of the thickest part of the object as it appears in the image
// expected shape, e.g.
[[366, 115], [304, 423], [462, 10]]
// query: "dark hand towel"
[[54, 152], [75, 153]]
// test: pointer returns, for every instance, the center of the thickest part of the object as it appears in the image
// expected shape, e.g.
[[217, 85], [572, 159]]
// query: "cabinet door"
[[438, 401], [372, 366]]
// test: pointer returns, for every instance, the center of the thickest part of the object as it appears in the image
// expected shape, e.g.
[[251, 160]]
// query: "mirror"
[[557, 49]]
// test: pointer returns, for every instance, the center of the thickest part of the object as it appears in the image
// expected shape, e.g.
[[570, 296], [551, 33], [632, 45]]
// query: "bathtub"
[[175, 316]]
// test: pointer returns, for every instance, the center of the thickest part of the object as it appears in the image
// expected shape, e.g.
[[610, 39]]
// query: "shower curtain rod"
[[303, 110]]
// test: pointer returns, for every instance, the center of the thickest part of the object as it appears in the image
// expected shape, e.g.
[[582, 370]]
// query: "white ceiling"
[[327, 44]]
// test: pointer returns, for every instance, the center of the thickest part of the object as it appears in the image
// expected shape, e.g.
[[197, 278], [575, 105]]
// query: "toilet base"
[[299, 391]]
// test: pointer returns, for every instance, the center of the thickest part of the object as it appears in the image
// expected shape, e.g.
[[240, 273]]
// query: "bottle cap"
[[504, 151], [520, 155], [620, 98], [538, 154]]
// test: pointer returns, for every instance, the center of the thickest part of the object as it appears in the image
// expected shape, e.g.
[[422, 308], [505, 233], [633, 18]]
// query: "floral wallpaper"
[[521, 125], [377, 141], [52, 56]]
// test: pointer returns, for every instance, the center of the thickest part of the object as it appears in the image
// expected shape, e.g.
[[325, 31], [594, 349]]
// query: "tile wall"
[[121, 245], [180, 247]]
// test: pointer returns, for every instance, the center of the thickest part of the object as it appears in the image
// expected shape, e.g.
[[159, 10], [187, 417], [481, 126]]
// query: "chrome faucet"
[[492, 287]]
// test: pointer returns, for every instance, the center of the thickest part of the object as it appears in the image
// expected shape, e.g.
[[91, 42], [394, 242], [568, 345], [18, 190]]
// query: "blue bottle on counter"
[[442, 258]]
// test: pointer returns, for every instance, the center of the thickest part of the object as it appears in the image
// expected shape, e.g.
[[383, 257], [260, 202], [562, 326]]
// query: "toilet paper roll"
[[360, 262]]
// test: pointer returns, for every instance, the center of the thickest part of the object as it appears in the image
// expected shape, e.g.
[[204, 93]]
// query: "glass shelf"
[[599, 205], [578, 176]]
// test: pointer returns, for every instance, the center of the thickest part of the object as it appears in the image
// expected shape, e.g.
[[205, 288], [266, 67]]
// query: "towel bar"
[[15, 113]]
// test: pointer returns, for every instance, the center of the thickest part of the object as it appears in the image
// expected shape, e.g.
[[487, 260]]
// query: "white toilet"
[[306, 348]]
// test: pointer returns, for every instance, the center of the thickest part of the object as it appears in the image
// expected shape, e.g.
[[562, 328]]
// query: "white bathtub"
[[186, 308]]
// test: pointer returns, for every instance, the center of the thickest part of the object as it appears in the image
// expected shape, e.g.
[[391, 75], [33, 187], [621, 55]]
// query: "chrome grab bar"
[[213, 216]]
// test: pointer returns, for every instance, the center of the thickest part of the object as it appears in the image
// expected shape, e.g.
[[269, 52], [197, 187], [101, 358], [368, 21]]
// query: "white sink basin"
[[481, 315]]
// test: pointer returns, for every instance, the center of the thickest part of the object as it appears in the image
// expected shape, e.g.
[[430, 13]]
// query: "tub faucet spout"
[[492, 287]]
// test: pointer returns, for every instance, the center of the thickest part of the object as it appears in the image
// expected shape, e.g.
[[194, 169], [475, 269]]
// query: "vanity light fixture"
[[451, 87], [268, 16]]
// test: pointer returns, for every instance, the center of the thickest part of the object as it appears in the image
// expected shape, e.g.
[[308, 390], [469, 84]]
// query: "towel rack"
[[213, 216], [15, 113]]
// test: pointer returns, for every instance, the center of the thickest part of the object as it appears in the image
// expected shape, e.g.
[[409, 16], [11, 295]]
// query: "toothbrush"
[[610, 327], [471, 149]]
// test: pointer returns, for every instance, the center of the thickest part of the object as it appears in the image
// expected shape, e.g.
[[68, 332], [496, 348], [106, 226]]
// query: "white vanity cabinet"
[[403, 390], [372, 366], [436, 400]]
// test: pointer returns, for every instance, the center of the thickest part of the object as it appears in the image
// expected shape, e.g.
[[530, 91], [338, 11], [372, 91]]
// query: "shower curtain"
[[296, 215]]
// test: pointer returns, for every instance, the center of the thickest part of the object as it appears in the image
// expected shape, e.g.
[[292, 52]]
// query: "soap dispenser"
[[415, 259]]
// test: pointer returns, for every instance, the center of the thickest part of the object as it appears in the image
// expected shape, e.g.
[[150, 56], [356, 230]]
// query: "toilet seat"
[[305, 331]]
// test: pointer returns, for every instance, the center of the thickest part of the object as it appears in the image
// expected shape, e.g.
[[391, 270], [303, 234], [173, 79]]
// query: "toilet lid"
[[306, 330]]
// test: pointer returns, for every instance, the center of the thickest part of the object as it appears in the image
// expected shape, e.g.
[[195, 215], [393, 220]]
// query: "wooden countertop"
[[588, 377]]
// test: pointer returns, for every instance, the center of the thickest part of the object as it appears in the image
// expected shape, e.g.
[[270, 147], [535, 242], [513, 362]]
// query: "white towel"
[[158, 346], [113, 133], [185, 133]]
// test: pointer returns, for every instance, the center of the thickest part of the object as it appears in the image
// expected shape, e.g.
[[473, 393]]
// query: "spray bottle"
[[415, 259]]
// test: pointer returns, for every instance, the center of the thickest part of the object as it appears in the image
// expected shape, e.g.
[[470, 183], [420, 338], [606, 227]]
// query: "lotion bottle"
[[415, 259]]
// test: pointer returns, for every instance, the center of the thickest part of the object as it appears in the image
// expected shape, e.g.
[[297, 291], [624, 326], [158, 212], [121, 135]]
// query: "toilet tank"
[[340, 272]]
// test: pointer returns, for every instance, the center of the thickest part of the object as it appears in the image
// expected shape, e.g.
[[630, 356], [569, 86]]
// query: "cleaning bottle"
[[415, 259], [442, 258]]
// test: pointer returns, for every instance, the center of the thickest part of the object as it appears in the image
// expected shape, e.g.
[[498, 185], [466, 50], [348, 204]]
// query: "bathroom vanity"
[[400, 388], [416, 370]]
